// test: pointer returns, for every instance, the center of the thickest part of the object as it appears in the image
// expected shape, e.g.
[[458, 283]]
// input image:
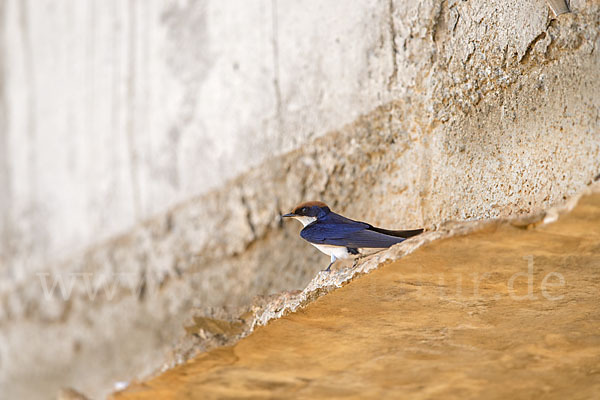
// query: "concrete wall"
[[114, 111], [208, 119]]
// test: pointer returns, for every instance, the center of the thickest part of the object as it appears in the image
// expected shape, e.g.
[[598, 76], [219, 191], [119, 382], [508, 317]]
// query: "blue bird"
[[341, 237]]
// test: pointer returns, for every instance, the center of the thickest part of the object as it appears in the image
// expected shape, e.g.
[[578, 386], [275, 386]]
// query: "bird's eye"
[[304, 210]]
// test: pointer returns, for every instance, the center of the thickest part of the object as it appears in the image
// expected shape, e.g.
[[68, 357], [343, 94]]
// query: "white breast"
[[335, 251]]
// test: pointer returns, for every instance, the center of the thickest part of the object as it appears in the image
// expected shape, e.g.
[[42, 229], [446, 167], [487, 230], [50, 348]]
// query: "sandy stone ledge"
[[494, 309]]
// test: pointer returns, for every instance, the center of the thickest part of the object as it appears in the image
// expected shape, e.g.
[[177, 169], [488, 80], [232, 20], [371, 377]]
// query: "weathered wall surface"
[[114, 111], [467, 110]]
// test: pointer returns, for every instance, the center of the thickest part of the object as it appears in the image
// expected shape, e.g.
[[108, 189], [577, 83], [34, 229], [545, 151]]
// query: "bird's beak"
[[289, 215]]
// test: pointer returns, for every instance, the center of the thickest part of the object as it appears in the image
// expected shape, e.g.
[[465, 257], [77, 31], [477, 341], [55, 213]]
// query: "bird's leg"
[[333, 259]]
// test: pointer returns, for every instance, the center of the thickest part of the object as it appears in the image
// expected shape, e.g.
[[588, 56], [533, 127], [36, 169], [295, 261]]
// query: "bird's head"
[[308, 212]]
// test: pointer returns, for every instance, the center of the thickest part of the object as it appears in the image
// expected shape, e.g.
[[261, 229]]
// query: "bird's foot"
[[328, 269]]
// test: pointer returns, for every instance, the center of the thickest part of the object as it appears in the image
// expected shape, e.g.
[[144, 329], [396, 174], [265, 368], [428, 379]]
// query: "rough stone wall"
[[468, 110]]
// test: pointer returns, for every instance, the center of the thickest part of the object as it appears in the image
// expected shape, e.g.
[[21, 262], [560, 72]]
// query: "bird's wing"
[[403, 234], [340, 231]]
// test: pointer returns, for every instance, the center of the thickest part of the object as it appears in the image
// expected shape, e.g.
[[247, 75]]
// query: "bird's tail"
[[403, 234]]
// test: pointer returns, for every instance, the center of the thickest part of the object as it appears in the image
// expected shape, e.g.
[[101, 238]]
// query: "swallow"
[[341, 237]]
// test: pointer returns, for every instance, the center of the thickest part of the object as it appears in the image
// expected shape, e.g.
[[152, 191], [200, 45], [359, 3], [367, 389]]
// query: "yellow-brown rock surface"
[[504, 312]]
